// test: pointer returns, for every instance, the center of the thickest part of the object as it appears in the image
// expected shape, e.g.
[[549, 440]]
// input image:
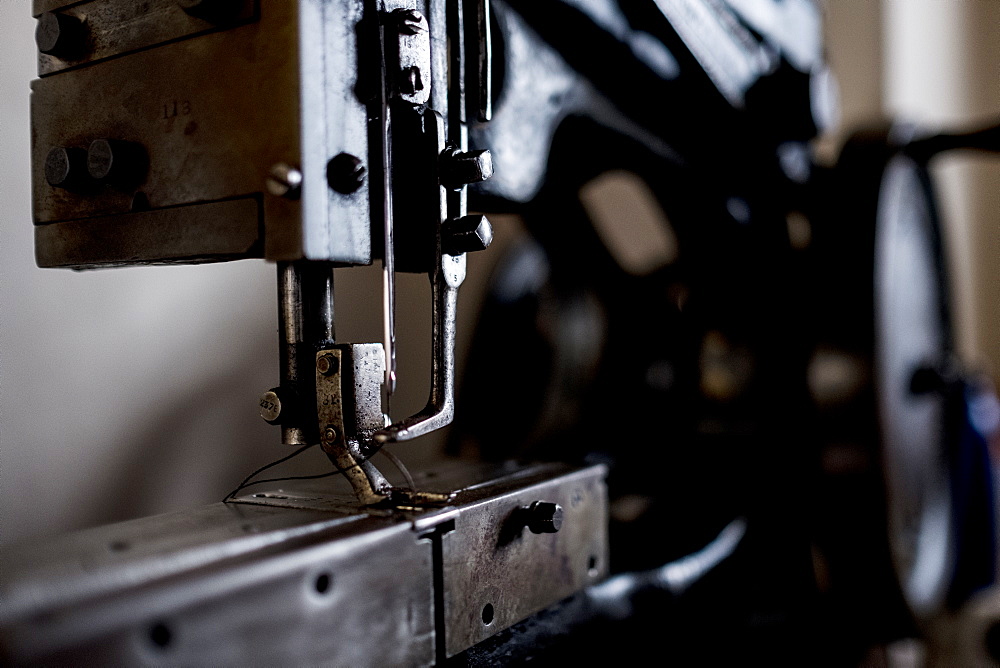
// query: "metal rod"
[[305, 322], [389, 254]]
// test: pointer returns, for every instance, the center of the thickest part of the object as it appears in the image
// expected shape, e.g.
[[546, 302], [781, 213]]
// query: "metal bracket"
[[337, 438]]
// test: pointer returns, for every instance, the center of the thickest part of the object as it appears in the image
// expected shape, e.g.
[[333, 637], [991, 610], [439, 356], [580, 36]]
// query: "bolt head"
[[463, 168], [59, 35], [545, 517], [329, 434], [327, 364], [465, 235], [101, 159], [65, 167], [346, 173], [284, 181]]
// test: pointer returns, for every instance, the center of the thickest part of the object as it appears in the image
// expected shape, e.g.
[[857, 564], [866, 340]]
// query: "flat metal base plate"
[[300, 575]]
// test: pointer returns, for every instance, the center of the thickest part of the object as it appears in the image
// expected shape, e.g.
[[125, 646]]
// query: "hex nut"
[[466, 234], [460, 168]]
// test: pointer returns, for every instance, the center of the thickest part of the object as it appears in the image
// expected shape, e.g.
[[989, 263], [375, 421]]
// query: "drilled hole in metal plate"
[[488, 614], [323, 583], [160, 635], [592, 565]]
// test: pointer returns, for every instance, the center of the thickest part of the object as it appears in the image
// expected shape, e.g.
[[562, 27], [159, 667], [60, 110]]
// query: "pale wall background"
[[132, 391]]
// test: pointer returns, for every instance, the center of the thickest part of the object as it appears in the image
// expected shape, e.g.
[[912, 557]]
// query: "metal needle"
[[388, 256]]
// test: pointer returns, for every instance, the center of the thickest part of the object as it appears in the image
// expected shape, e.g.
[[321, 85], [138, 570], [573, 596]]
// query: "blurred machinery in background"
[[743, 381]]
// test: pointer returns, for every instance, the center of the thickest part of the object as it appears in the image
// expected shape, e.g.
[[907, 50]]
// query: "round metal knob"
[[544, 517], [278, 405]]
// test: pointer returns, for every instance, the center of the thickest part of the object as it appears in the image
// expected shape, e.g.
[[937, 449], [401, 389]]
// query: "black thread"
[[357, 463], [398, 463]]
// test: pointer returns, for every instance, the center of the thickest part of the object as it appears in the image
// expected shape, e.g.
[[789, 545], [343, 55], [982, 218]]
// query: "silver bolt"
[[462, 168], [466, 234], [284, 181]]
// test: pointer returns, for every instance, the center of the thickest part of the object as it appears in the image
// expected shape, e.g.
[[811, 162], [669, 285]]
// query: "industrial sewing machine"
[[329, 134]]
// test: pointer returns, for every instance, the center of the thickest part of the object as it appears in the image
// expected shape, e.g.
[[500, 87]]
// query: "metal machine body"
[[303, 576], [322, 134]]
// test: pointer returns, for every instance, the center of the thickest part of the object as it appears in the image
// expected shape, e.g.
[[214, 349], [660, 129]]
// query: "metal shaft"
[[306, 324]]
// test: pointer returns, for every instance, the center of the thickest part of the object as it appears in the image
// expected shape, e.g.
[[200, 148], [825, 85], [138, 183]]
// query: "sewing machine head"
[[314, 135], [329, 135]]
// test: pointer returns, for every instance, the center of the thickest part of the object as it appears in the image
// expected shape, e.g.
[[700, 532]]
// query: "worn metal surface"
[[304, 576], [224, 585], [226, 230], [116, 27], [479, 60], [440, 408], [305, 324], [346, 419], [497, 572], [214, 114]]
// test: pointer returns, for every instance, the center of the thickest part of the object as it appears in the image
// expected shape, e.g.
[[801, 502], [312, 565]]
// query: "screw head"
[[409, 21], [462, 168], [466, 234], [270, 406], [329, 434], [544, 517], [327, 364], [65, 167], [284, 181], [59, 35], [346, 173]]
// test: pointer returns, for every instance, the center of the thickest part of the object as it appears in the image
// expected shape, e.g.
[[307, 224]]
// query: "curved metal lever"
[[440, 408]]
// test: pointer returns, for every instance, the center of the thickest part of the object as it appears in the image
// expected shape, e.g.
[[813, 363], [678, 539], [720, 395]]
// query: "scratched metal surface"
[[214, 113], [302, 575]]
